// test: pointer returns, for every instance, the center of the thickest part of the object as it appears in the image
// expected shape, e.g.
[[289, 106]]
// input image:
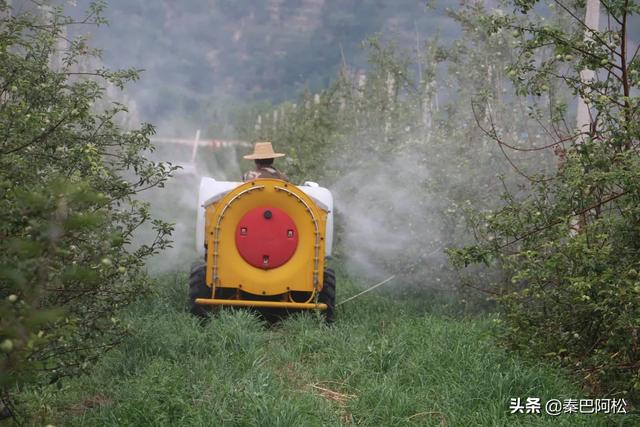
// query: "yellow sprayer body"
[[265, 247]]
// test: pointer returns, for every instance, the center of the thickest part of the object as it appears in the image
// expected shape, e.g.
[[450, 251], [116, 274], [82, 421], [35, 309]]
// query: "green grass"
[[387, 361]]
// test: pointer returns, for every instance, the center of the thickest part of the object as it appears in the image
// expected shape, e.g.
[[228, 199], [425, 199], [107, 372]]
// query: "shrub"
[[571, 245], [69, 175]]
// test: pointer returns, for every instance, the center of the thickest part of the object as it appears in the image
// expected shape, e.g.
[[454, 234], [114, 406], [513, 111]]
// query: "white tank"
[[212, 190]]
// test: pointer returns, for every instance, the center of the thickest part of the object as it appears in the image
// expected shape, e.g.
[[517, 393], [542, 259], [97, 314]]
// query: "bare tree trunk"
[[583, 117]]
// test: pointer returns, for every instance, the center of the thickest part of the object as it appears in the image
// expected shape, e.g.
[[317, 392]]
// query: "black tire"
[[198, 289], [328, 295]]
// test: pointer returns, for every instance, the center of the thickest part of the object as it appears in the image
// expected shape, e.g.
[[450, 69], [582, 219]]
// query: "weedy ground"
[[388, 361]]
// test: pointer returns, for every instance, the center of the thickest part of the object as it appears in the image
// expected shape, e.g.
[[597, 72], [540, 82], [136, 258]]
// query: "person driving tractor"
[[263, 243], [263, 155]]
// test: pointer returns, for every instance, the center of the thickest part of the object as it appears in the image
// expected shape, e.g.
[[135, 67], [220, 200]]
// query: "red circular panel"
[[266, 237]]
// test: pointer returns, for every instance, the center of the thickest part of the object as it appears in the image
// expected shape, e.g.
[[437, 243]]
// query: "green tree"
[[68, 212], [571, 242]]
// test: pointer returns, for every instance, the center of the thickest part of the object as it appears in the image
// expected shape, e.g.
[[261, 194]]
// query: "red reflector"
[[273, 239]]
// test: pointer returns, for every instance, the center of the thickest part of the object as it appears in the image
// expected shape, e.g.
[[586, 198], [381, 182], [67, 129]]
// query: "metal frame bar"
[[265, 304], [316, 259]]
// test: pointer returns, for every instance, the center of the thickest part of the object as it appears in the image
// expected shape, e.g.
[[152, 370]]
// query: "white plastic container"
[[212, 190]]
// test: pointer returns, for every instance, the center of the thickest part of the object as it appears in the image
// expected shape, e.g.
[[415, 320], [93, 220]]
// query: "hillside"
[[204, 52]]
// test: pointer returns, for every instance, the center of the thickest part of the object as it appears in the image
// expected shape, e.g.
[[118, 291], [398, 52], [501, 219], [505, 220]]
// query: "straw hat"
[[263, 150]]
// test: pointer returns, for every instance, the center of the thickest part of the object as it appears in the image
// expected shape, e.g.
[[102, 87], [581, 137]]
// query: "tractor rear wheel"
[[328, 295], [198, 289]]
